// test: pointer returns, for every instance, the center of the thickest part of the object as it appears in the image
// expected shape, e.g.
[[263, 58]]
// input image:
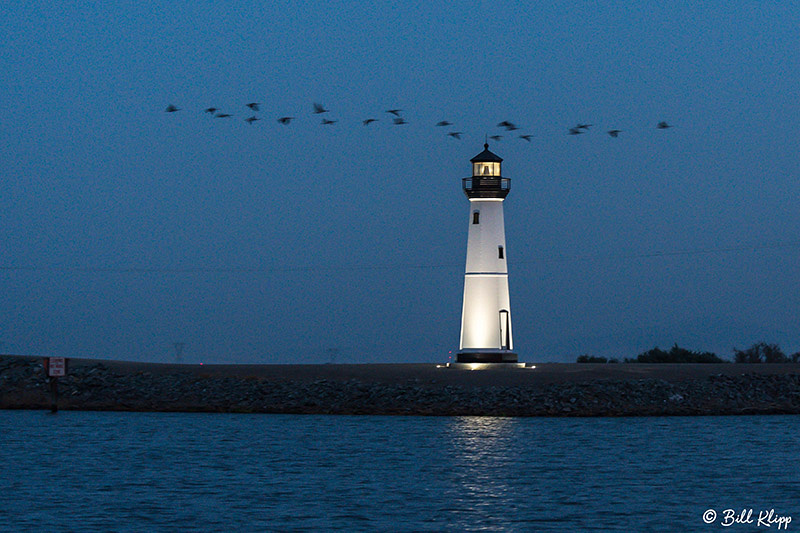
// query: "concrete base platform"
[[487, 366], [486, 356]]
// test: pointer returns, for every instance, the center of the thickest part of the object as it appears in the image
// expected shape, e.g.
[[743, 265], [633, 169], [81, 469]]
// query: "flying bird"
[[526, 137], [285, 120], [211, 110], [253, 106], [575, 131], [250, 120], [496, 137], [395, 112], [369, 121], [614, 133], [326, 122], [222, 115], [509, 126], [455, 134], [662, 125], [319, 108], [583, 126], [444, 123], [399, 121], [171, 109]]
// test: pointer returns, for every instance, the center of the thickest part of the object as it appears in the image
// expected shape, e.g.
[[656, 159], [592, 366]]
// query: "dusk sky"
[[126, 229]]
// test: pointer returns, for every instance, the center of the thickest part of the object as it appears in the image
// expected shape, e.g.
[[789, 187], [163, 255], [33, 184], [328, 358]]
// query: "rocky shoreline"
[[417, 390]]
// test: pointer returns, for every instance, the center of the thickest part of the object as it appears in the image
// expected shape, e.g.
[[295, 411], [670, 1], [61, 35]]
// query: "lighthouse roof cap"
[[486, 156]]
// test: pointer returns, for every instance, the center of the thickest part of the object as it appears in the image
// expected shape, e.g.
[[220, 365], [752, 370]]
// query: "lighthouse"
[[486, 312]]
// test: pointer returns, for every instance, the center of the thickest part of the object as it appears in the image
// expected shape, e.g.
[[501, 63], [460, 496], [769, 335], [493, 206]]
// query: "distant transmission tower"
[[179, 351], [333, 354]]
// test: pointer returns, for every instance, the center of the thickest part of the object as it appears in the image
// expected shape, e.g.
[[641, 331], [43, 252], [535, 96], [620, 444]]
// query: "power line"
[[668, 253], [357, 268], [217, 270]]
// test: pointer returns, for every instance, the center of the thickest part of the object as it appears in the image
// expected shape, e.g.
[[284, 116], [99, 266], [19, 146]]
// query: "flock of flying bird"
[[399, 120]]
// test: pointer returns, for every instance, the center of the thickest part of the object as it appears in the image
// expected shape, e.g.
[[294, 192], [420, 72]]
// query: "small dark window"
[[500, 252], [476, 215]]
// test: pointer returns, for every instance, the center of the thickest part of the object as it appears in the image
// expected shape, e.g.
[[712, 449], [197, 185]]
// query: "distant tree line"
[[760, 352], [764, 353]]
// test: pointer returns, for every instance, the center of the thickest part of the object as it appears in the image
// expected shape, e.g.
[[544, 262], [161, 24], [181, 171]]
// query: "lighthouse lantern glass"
[[485, 168]]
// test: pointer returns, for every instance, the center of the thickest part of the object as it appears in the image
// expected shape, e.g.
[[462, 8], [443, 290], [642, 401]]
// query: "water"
[[85, 471]]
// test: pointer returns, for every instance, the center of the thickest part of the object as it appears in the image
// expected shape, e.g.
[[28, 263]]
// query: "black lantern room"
[[486, 180]]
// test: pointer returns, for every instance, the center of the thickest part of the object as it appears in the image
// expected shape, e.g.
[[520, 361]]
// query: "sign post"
[[55, 367]]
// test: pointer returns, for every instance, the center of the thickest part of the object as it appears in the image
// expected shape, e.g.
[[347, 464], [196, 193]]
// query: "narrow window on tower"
[[476, 215], [500, 253]]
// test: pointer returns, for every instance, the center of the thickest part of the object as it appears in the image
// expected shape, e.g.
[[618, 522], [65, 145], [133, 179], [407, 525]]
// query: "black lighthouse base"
[[486, 356]]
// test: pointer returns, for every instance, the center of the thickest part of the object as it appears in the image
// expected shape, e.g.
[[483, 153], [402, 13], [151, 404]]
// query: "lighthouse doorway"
[[505, 323]]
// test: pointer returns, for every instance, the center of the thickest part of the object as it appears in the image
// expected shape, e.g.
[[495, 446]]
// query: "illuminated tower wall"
[[486, 312]]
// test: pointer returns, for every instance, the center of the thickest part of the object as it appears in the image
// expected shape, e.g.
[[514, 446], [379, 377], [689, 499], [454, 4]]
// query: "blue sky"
[[126, 229]]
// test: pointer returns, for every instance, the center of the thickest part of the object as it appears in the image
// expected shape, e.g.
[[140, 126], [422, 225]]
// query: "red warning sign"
[[56, 367]]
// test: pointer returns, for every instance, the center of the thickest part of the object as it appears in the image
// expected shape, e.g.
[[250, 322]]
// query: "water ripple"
[[212, 472]]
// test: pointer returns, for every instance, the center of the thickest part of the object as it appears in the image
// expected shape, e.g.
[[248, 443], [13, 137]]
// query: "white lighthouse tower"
[[486, 313]]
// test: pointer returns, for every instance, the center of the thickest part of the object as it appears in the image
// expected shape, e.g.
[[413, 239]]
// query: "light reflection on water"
[[207, 472], [481, 466]]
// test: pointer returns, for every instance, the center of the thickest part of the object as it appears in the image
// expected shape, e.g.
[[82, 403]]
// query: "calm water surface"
[[84, 471]]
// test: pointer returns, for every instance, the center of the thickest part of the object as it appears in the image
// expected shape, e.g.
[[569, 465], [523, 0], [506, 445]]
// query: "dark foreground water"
[[85, 471]]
